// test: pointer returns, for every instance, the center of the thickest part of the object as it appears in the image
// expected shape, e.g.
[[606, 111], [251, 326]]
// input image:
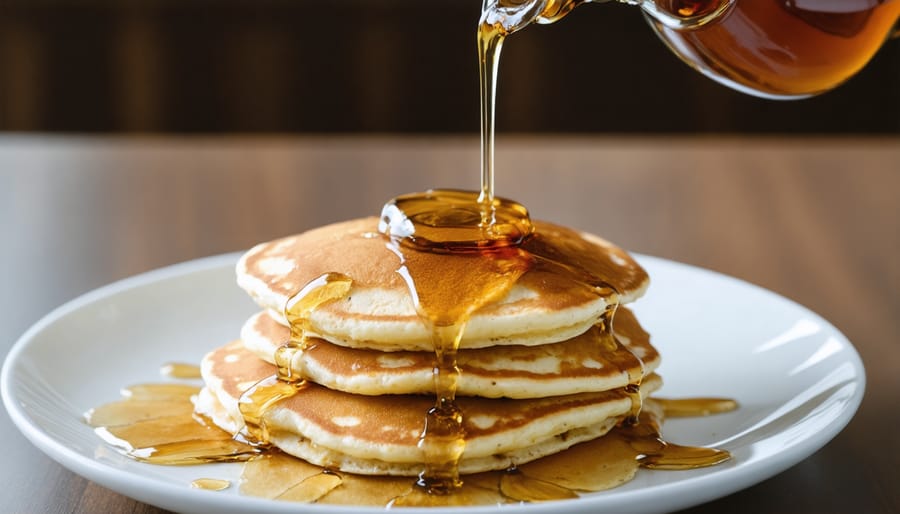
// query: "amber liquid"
[[783, 48], [452, 231], [211, 484], [259, 399], [155, 423], [179, 370], [489, 39], [768, 48]]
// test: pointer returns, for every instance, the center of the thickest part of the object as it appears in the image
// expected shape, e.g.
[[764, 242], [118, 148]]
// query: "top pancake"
[[379, 312]]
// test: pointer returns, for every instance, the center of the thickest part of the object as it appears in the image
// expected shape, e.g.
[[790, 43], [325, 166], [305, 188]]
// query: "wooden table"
[[816, 220]]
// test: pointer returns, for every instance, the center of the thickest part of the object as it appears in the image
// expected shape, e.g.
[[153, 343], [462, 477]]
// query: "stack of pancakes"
[[534, 377]]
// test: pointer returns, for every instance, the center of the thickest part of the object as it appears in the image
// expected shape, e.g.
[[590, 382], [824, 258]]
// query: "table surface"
[[816, 220]]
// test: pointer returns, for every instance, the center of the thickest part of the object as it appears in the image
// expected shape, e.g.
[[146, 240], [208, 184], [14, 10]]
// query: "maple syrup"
[[694, 407], [768, 48], [474, 273], [211, 484], [452, 231], [258, 399], [784, 48], [155, 423], [180, 370], [596, 465]]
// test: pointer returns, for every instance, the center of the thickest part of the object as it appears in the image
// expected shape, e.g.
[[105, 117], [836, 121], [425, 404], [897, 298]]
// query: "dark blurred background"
[[377, 66]]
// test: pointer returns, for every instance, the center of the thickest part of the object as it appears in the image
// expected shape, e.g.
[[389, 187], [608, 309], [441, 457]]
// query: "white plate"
[[797, 378]]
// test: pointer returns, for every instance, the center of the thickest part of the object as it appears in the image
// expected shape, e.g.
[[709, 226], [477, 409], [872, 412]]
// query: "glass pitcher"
[[779, 49]]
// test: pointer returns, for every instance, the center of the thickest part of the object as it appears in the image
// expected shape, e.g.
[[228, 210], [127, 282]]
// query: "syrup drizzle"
[[474, 273], [596, 465], [444, 230], [489, 39], [285, 383]]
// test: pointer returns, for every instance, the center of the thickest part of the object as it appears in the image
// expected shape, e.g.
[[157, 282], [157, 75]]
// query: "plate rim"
[[710, 486]]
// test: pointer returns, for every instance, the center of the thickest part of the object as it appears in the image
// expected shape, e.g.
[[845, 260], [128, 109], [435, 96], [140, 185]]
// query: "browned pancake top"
[[356, 249]]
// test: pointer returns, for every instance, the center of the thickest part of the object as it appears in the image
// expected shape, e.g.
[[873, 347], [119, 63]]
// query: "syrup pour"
[[458, 251], [453, 264], [491, 235], [490, 41], [450, 279]]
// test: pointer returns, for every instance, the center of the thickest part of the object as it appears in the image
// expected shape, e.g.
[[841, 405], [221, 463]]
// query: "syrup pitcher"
[[780, 49]]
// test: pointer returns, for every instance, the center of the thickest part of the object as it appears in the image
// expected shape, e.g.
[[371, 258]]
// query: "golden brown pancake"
[[379, 313], [380, 434], [573, 366]]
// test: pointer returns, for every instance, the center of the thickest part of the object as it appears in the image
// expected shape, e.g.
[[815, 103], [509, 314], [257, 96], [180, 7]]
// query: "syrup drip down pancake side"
[[378, 312], [380, 434]]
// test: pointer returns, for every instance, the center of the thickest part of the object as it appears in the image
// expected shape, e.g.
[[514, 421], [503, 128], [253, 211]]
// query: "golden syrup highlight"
[[783, 48], [179, 370], [450, 279], [285, 383], [453, 265], [155, 423], [211, 484], [695, 407]]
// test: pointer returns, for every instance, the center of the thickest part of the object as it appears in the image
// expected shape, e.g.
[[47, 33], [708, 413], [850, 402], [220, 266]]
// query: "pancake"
[[568, 367], [380, 434], [379, 313]]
